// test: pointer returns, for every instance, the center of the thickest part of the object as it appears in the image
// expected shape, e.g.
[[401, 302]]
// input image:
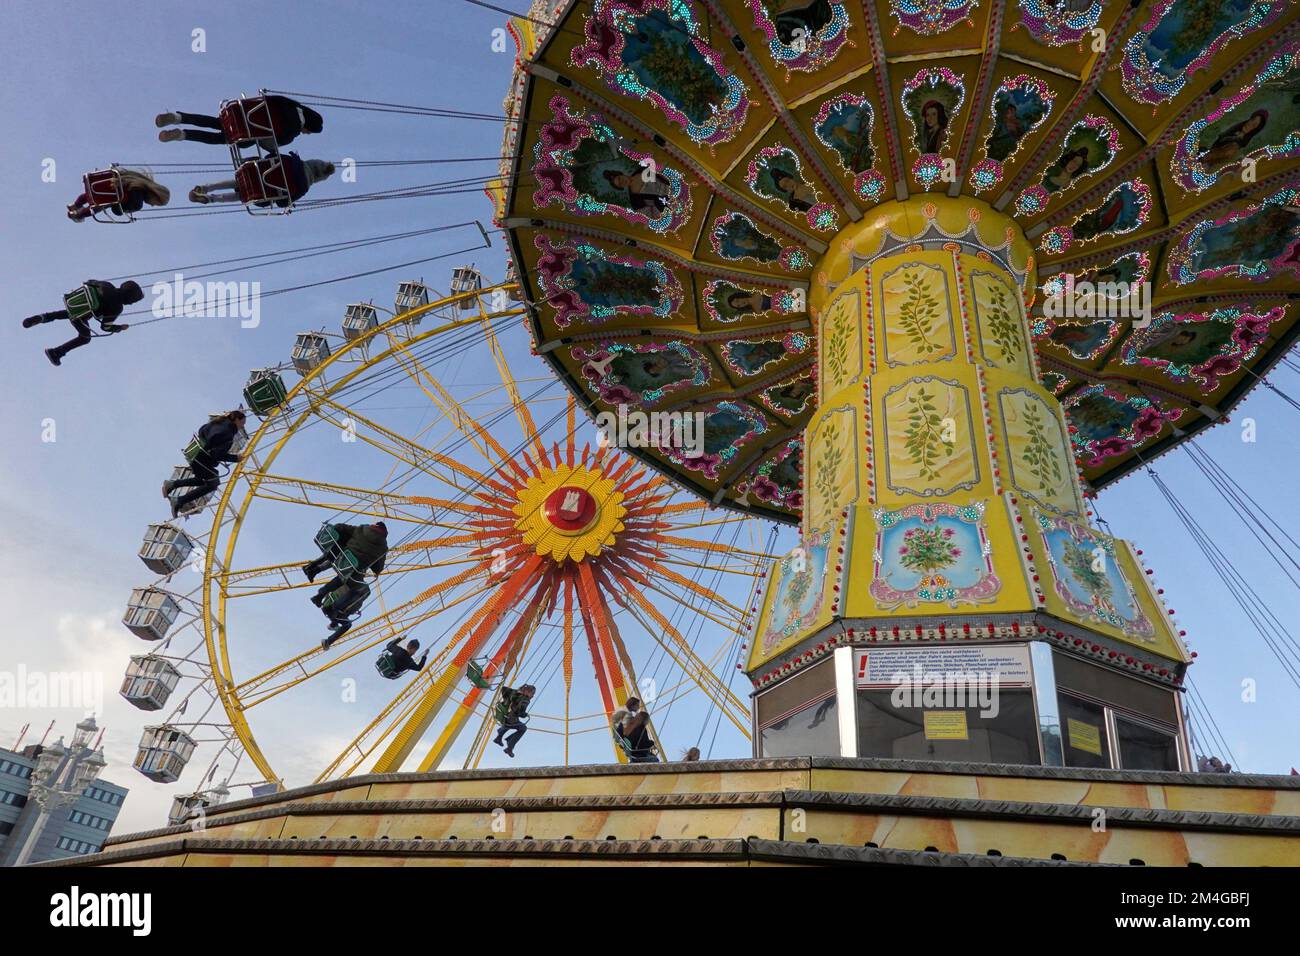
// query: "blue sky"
[[73, 510]]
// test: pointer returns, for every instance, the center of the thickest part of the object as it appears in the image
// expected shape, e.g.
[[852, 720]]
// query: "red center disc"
[[570, 508]]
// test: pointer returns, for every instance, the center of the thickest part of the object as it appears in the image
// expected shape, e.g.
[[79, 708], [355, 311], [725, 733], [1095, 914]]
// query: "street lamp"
[[61, 775]]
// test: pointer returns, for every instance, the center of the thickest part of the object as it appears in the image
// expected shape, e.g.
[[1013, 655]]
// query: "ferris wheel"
[[513, 539]]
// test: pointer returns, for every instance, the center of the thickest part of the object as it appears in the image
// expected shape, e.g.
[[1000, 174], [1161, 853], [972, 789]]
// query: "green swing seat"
[[331, 607], [345, 562], [474, 671], [265, 392], [82, 303], [195, 448], [387, 666]]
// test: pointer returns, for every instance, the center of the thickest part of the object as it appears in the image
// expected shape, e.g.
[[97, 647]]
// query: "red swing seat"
[[104, 189], [250, 118], [272, 180]]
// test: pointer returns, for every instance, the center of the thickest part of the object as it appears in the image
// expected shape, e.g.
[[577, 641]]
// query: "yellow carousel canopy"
[[676, 171]]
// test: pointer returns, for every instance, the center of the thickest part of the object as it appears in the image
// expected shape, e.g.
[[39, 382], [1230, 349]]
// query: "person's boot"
[[55, 356], [309, 569], [167, 487], [510, 752], [199, 195], [170, 135], [317, 599], [326, 642], [31, 321], [167, 119], [497, 740]]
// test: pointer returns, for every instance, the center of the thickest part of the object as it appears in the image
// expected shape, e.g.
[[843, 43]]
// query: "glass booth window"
[[1007, 733], [813, 731], [1143, 747], [1083, 729]]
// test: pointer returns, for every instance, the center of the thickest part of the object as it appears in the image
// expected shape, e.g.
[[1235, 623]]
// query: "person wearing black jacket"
[[368, 544], [112, 300], [290, 119], [404, 657], [516, 709], [217, 436]]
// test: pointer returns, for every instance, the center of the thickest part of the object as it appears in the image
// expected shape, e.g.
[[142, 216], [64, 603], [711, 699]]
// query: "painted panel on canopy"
[[791, 399], [845, 126], [1023, 105], [1175, 50], [1201, 351], [1111, 421], [1252, 130], [737, 304], [779, 179], [581, 284], [932, 101], [735, 239], [832, 45], [1085, 155], [655, 59], [1247, 244], [798, 597], [762, 355], [1057, 31], [1120, 214], [643, 373], [582, 165], [777, 479], [911, 27]]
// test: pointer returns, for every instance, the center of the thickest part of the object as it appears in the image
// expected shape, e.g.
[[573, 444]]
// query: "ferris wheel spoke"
[[390, 618], [461, 420], [474, 634], [407, 450], [683, 655], [370, 502]]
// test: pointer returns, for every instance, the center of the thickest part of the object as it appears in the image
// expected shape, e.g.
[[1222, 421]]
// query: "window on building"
[[813, 731], [961, 734], [1143, 746], [6, 828], [1083, 731]]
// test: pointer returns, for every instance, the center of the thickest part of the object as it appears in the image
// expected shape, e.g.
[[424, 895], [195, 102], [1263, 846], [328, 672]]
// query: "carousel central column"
[[943, 506]]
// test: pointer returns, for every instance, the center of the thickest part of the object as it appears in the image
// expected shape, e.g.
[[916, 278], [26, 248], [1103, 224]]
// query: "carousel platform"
[[784, 811]]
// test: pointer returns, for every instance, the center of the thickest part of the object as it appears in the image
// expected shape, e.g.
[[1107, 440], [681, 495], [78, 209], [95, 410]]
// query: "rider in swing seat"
[[513, 709], [97, 300]]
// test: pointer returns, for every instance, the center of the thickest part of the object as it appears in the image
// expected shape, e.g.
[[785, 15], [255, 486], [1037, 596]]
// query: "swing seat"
[[331, 607], [474, 671], [104, 189], [345, 562], [249, 118], [501, 714], [82, 303], [644, 755], [274, 182], [387, 666], [195, 448]]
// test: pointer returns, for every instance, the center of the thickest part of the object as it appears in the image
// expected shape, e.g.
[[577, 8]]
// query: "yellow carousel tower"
[[950, 599]]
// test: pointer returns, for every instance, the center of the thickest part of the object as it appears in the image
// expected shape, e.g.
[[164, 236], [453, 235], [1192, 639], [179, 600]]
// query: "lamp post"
[[61, 775]]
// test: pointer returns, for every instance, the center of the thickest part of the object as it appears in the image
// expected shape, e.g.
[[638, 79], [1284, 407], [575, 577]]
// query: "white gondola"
[[163, 753], [149, 681], [466, 279], [411, 294], [359, 319], [150, 613], [165, 549], [192, 805], [309, 350], [182, 472]]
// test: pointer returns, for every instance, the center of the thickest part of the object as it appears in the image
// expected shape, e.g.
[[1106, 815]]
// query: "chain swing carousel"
[[935, 274]]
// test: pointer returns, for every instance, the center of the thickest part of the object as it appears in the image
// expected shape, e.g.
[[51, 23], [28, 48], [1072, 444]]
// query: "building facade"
[[75, 831]]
